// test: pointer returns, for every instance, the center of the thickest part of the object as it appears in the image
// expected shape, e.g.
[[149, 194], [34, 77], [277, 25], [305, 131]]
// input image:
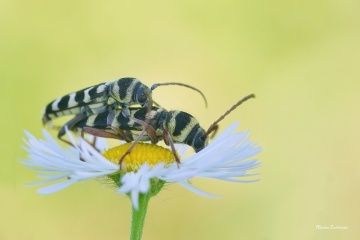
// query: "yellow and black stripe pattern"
[[184, 128], [120, 121], [99, 98]]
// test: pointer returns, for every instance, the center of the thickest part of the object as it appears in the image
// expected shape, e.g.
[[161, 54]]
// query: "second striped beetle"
[[154, 125]]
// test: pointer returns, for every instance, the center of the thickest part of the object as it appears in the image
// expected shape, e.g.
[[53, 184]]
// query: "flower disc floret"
[[142, 153]]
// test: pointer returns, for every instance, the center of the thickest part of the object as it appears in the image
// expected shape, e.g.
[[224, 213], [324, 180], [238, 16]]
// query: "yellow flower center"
[[142, 153]]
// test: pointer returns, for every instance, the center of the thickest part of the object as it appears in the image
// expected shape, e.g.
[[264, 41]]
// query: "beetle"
[[106, 96], [154, 125]]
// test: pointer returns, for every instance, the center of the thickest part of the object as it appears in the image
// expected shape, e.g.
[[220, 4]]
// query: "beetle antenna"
[[180, 84], [214, 125]]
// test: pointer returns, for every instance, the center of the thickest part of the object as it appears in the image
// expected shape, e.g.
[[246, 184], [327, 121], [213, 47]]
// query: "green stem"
[[138, 217]]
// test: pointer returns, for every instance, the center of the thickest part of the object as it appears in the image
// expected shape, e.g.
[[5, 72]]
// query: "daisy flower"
[[228, 157], [144, 172]]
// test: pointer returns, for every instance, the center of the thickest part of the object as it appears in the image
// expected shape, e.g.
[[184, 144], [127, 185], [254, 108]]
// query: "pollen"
[[142, 153]]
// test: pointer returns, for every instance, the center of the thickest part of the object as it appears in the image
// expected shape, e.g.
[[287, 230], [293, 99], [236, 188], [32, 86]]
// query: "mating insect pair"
[[158, 124], [98, 112]]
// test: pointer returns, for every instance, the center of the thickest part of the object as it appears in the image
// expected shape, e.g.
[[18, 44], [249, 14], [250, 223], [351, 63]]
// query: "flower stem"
[[138, 217]]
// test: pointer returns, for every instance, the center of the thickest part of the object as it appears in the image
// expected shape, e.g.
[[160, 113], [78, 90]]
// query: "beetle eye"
[[141, 97]]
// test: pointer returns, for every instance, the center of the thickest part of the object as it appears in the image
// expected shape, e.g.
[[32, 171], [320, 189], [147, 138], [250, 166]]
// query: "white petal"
[[56, 163], [196, 190], [56, 187], [135, 199], [226, 158]]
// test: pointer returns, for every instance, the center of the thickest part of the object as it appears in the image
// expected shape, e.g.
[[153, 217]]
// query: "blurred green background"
[[301, 59]]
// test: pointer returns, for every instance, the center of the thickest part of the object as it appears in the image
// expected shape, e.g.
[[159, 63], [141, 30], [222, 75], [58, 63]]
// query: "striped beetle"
[[156, 124], [106, 96]]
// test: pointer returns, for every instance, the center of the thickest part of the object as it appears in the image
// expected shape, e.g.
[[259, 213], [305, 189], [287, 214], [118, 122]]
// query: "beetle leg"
[[149, 129], [124, 134], [110, 117], [132, 146], [125, 112], [169, 141], [70, 125], [146, 128], [101, 133]]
